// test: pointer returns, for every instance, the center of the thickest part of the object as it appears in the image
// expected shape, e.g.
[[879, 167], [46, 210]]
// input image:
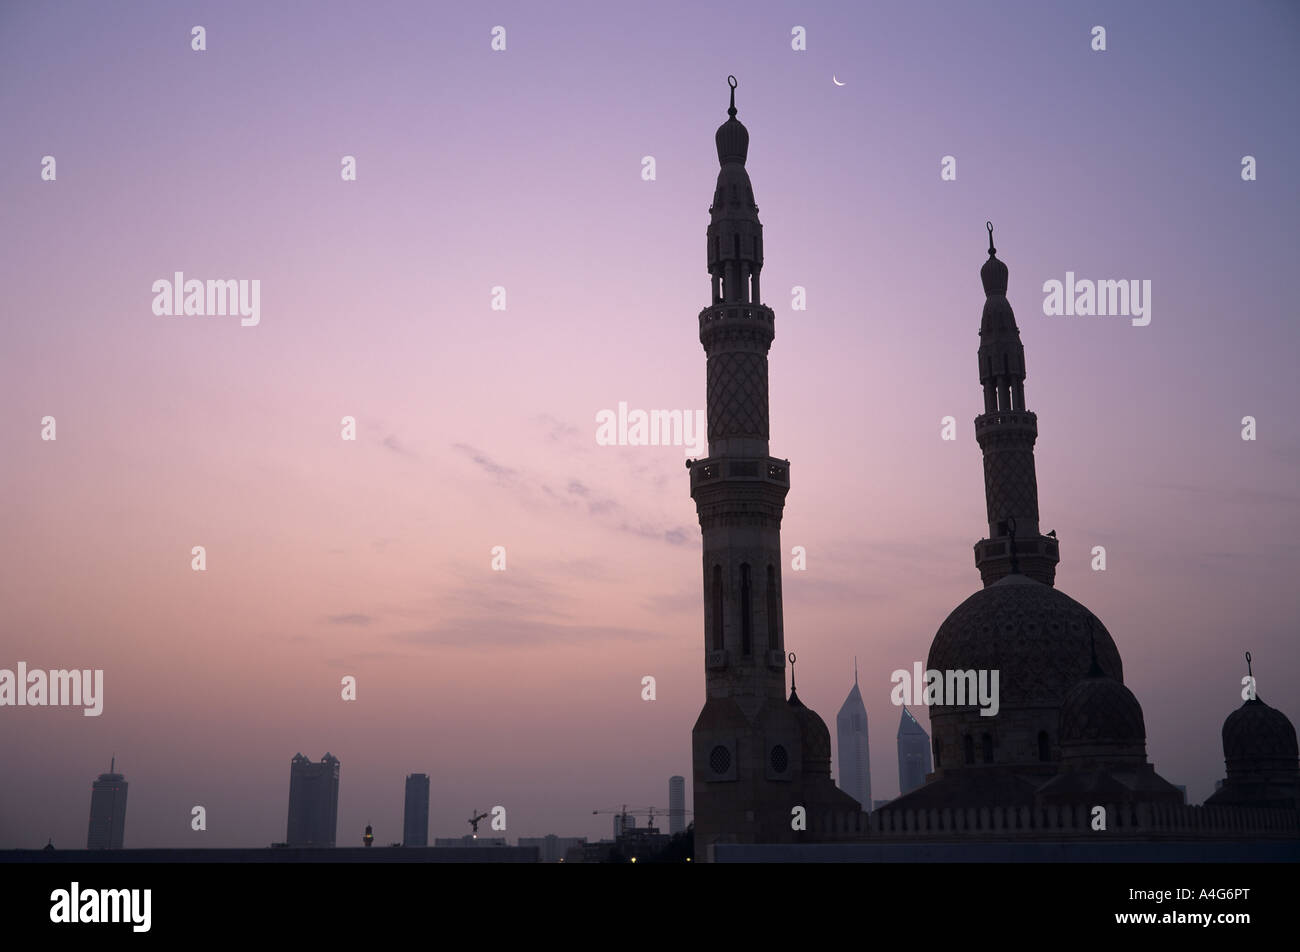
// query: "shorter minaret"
[[1006, 433]]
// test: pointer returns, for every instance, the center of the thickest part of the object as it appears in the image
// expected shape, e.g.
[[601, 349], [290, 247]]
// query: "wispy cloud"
[[486, 463], [605, 510], [1232, 494], [357, 619], [557, 430], [492, 633], [391, 442]]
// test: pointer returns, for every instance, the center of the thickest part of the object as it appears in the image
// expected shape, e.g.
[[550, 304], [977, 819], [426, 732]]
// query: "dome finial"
[[1248, 669], [793, 700], [731, 81], [989, 226]]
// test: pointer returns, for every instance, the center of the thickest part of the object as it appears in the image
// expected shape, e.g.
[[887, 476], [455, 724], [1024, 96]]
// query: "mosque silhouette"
[[1067, 745]]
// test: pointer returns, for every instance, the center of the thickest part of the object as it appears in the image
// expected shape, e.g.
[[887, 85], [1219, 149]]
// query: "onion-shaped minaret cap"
[[994, 272], [732, 137]]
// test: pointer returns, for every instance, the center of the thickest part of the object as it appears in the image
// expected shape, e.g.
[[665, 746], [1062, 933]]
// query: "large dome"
[[1035, 637]]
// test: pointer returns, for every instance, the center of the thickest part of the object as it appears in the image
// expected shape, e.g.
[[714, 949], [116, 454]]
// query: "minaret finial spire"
[[792, 672], [731, 81], [1248, 668], [855, 670], [989, 226]]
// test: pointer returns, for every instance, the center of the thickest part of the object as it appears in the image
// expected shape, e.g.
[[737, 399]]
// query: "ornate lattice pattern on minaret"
[[737, 387]]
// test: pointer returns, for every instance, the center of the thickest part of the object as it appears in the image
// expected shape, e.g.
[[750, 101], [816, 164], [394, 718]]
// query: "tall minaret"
[[754, 755], [1006, 432], [739, 490]]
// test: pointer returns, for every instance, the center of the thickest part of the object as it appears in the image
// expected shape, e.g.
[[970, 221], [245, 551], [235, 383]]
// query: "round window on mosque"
[[780, 759], [720, 759]]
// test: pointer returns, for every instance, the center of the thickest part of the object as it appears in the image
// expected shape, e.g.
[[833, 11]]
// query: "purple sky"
[[476, 427]]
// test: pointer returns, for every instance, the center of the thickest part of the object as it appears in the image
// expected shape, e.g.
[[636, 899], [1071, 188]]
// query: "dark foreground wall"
[[360, 854], [1170, 852]]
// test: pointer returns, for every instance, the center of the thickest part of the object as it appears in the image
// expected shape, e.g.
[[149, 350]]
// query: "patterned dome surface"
[[814, 737], [1101, 710], [1034, 636], [1256, 731]]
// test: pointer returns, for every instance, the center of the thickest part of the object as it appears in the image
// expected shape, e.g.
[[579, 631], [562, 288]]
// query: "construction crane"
[[474, 821], [648, 812]]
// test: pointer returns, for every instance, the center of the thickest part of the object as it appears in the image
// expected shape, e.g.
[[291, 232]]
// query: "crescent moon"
[[835, 81]]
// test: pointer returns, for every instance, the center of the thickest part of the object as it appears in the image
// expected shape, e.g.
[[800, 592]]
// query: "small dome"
[[814, 738], [1257, 735], [1035, 636], [1100, 710]]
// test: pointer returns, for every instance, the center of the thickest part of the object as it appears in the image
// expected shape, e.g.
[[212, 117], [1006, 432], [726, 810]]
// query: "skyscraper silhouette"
[[855, 752], [676, 804], [107, 811], [415, 818], [313, 801], [913, 753]]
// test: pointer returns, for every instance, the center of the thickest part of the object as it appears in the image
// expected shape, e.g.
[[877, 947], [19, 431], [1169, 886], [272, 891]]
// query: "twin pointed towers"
[[758, 755], [1066, 727]]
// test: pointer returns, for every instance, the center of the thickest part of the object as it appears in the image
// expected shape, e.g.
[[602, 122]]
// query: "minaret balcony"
[[1025, 419], [1036, 556], [737, 311], [737, 314], [722, 468]]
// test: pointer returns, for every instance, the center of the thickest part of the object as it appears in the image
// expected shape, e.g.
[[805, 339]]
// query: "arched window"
[[988, 748], [746, 612], [969, 743], [717, 608], [938, 761], [1044, 746], [773, 612]]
